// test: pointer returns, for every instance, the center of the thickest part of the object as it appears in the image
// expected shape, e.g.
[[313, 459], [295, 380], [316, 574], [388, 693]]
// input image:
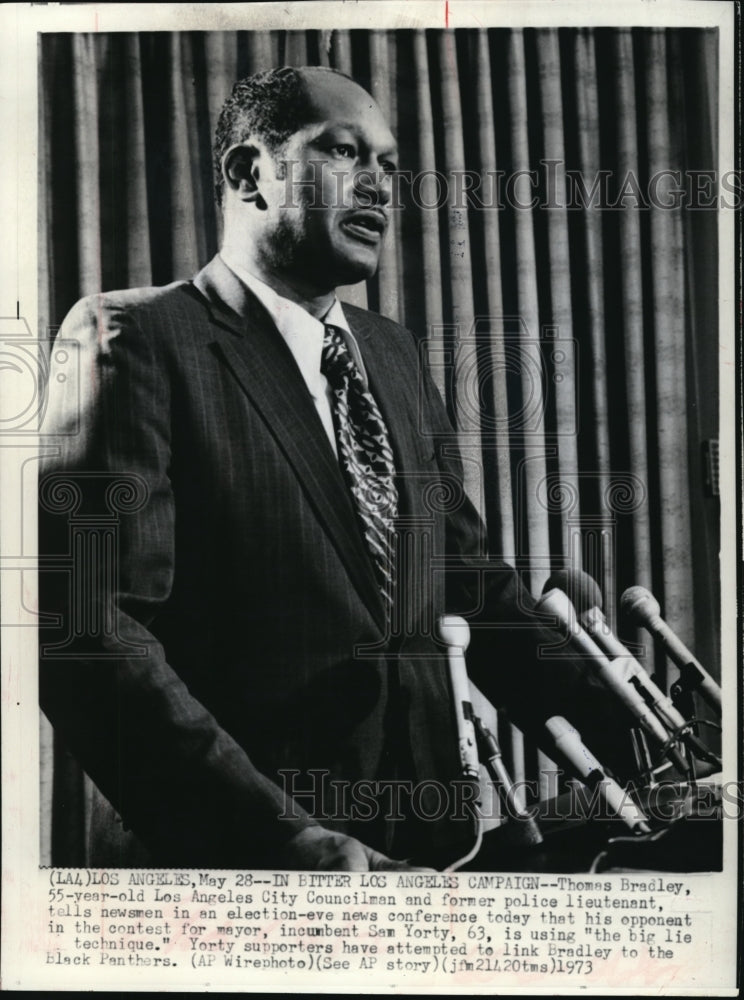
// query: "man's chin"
[[350, 271]]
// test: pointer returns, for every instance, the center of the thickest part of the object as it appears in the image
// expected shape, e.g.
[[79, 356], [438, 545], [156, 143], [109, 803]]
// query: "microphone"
[[587, 599], [474, 735], [642, 608], [455, 634], [616, 676], [569, 744]]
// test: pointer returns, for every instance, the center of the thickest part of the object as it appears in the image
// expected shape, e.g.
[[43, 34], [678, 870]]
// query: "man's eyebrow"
[[328, 126]]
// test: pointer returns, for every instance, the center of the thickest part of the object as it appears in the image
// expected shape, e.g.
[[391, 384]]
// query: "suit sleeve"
[[518, 662], [106, 542]]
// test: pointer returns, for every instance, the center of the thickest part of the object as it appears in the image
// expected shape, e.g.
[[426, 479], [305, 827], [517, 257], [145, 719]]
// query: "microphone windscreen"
[[638, 605], [581, 588]]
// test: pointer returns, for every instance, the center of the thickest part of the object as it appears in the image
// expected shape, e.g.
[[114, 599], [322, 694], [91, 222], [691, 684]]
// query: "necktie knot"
[[336, 362]]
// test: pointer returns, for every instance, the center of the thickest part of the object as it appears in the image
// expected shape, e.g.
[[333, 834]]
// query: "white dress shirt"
[[303, 335]]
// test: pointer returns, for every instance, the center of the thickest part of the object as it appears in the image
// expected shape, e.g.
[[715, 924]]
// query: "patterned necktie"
[[366, 456]]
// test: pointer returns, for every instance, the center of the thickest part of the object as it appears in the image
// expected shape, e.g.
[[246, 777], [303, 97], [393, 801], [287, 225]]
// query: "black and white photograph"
[[370, 536]]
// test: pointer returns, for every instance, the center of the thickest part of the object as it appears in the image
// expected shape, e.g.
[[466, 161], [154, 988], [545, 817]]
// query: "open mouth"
[[366, 226]]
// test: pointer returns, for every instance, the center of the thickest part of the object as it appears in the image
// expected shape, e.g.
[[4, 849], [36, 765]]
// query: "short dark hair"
[[272, 105]]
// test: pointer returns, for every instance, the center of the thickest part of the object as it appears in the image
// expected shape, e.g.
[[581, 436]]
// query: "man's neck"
[[316, 303]]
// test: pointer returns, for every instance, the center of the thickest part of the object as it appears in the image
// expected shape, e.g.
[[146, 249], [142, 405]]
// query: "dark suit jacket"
[[241, 636]]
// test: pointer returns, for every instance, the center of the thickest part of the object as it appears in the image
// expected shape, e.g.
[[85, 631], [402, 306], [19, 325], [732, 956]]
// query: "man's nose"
[[372, 186]]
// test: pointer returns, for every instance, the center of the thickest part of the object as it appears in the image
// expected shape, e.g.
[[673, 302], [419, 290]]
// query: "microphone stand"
[[683, 737], [523, 831]]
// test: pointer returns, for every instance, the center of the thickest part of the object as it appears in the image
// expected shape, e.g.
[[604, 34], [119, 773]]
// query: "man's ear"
[[241, 170]]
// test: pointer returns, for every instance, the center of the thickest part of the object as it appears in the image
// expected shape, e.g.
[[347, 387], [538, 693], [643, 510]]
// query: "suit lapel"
[[263, 365]]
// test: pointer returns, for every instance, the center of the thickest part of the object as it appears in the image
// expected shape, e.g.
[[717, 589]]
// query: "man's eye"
[[344, 150], [387, 166]]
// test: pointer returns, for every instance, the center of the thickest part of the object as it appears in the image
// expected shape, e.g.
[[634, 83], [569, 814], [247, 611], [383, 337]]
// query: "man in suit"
[[258, 681]]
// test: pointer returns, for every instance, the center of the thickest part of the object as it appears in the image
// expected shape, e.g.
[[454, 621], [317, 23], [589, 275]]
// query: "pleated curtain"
[[568, 318]]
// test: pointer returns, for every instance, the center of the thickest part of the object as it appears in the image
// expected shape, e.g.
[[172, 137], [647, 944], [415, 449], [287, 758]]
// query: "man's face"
[[325, 221]]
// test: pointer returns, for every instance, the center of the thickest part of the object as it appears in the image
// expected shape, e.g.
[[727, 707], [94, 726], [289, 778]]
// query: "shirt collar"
[[302, 332], [281, 309]]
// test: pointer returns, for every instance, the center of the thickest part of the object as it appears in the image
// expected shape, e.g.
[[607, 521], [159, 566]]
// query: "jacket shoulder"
[[154, 314], [131, 300]]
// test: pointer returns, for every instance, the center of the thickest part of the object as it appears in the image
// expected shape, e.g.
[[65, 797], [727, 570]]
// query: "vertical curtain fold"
[[383, 93], [185, 248], [533, 466], [598, 558], [341, 52], [696, 121], [86, 148], [459, 268], [139, 264], [632, 315], [498, 485], [257, 51], [631, 300], [670, 381], [429, 221], [563, 371]]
